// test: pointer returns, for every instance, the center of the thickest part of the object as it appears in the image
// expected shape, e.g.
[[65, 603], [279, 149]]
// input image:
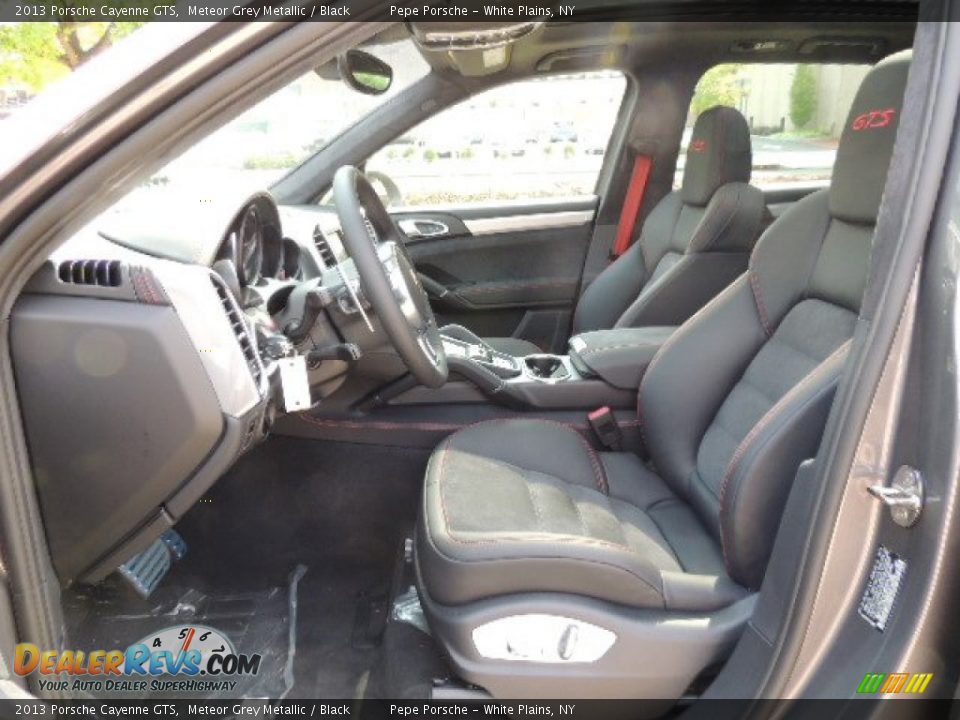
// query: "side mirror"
[[364, 72]]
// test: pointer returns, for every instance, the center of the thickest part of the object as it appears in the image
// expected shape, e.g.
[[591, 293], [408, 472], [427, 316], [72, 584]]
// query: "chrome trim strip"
[[535, 221]]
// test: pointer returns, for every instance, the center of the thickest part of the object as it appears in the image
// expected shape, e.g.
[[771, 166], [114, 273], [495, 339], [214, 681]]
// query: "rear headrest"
[[866, 144], [719, 153]]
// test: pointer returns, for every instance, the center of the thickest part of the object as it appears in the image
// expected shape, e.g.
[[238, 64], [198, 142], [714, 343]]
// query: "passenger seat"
[[694, 243]]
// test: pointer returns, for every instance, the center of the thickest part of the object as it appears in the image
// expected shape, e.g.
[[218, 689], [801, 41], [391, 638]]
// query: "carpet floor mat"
[[295, 554]]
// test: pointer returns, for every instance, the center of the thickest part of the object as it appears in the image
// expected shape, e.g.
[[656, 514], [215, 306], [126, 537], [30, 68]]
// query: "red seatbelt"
[[631, 204]]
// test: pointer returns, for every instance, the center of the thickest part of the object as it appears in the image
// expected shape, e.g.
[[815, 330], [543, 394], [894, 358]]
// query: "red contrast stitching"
[[598, 472], [381, 425], [758, 299], [434, 427]]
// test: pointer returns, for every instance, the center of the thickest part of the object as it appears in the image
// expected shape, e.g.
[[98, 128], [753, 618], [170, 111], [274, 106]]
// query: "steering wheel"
[[389, 280], [394, 196]]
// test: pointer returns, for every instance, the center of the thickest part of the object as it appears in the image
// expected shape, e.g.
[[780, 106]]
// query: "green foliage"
[[30, 55], [430, 155], [38, 53], [718, 86], [803, 96]]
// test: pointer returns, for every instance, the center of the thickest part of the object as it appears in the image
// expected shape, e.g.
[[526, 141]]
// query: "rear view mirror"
[[453, 35], [364, 72]]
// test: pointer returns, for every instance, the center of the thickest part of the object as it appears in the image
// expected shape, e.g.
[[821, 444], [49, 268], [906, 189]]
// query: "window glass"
[[795, 112], [533, 139]]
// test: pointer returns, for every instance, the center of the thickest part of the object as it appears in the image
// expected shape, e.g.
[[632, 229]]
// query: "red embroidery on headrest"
[[873, 119], [697, 145]]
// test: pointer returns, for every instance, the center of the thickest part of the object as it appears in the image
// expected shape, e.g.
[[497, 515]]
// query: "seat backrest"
[[739, 395], [693, 244]]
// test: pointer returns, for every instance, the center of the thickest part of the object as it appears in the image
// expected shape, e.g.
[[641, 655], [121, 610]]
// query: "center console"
[[603, 368]]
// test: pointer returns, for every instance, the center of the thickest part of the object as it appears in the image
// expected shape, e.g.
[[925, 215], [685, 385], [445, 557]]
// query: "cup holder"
[[546, 367]]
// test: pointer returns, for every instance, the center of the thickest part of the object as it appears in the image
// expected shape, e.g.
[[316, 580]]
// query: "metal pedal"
[[175, 543], [145, 571]]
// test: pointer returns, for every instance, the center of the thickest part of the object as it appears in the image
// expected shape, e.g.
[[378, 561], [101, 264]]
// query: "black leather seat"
[[519, 510], [694, 243]]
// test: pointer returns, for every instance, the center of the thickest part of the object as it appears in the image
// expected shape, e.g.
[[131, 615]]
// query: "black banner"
[[388, 709], [444, 11]]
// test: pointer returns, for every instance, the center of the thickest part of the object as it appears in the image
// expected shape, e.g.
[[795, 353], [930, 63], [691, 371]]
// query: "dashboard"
[[147, 359]]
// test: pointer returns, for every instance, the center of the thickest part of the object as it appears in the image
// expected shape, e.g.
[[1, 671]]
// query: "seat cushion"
[[517, 347], [519, 506]]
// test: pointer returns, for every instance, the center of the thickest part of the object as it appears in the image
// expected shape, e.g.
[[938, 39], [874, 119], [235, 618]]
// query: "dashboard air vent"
[[323, 247], [240, 328], [101, 273]]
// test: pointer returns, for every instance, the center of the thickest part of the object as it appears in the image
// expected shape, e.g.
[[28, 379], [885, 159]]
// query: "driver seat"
[[694, 243], [548, 568]]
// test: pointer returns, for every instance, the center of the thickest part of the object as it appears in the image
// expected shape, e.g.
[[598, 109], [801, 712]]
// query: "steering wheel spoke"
[[389, 279]]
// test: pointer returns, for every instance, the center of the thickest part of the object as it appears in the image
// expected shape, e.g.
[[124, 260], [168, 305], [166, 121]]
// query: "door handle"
[[420, 228], [433, 288]]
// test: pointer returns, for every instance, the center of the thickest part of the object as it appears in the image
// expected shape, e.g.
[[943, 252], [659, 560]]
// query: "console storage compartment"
[[619, 356]]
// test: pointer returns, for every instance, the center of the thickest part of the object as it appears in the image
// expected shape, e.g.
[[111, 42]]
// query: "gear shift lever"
[[461, 343]]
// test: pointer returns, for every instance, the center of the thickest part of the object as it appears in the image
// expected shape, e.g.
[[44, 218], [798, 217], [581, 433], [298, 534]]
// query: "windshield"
[[264, 143]]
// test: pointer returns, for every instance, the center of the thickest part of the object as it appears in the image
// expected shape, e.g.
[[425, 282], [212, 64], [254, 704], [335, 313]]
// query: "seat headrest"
[[866, 145], [719, 153]]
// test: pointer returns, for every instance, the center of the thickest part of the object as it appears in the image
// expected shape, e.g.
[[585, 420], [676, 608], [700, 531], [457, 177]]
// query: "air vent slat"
[[239, 328], [371, 231], [96, 273], [323, 248]]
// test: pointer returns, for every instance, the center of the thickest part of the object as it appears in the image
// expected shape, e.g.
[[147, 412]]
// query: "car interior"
[[524, 449]]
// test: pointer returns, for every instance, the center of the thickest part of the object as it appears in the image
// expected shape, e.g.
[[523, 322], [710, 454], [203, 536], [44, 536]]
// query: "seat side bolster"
[[732, 221], [686, 591], [785, 257], [690, 378], [759, 476], [683, 289]]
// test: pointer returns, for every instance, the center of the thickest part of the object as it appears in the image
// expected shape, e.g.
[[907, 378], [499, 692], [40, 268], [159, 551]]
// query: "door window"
[[535, 139]]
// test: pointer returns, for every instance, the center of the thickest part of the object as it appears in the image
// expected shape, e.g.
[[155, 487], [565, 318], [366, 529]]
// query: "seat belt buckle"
[[605, 427]]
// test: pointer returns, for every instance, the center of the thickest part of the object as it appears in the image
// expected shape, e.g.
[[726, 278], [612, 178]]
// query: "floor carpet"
[[300, 534]]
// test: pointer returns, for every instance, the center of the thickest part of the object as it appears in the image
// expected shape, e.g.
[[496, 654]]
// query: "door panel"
[[507, 270]]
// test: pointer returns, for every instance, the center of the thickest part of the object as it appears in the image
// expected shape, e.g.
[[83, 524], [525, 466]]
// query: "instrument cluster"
[[256, 247]]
